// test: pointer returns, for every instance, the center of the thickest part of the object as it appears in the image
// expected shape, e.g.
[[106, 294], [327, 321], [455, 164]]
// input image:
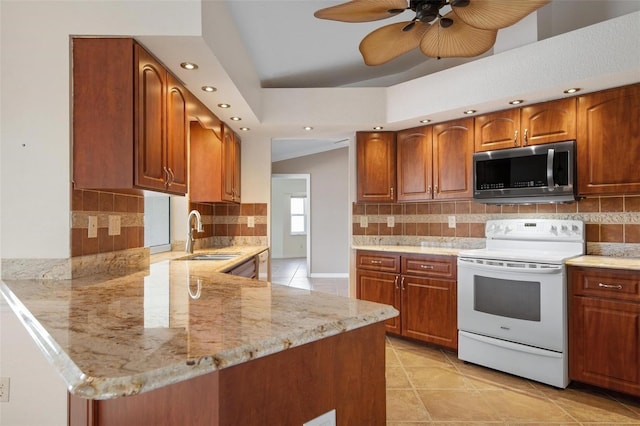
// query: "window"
[[298, 204]]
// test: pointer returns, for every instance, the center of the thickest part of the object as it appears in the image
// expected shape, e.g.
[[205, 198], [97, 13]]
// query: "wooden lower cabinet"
[[422, 287], [345, 372], [604, 328]]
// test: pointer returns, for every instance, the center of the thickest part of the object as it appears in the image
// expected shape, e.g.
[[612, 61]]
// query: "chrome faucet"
[[199, 228]]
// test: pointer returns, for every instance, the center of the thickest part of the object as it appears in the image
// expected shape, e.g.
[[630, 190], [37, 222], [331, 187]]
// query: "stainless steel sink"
[[210, 256]]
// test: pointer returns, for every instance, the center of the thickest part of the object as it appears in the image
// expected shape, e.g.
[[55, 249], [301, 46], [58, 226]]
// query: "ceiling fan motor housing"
[[426, 10]]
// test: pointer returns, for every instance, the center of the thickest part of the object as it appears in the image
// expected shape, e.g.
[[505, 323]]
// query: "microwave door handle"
[[550, 155]]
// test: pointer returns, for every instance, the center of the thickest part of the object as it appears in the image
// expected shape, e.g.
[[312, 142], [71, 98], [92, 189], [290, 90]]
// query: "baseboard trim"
[[329, 275]]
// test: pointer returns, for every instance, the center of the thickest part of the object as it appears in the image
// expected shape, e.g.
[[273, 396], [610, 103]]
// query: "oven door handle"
[[548, 269], [512, 346]]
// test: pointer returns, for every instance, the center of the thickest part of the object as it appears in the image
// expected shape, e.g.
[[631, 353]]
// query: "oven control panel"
[[535, 229]]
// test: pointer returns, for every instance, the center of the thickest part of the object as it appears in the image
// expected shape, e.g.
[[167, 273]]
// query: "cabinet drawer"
[[606, 283], [430, 266], [377, 261]]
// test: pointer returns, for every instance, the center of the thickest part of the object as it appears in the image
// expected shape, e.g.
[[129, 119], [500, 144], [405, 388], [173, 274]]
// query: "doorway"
[[291, 218]]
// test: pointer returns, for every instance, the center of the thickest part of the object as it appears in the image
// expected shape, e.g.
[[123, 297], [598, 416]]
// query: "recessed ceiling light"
[[209, 89], [235, 118], [189, 66], [516, 102], [378, 128], [572, 90], [307, 128], [245, 129], [224, 105], [426, 120], [470, 111]]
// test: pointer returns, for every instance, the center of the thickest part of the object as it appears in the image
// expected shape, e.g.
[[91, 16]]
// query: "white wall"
[[329, 206], [283, 244], [35, 159]]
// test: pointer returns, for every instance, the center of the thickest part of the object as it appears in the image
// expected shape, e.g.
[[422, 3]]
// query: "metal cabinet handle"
[[402, 283], [376, 262], [614, 286], [515, 138], [426, 266], [392, 192], [171, 178], [526, 137], [395, 282], [166, 176], [429, 190]]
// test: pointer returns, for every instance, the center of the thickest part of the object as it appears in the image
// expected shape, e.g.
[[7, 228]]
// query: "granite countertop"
[[447, 251], [112, 336], [605, 262]]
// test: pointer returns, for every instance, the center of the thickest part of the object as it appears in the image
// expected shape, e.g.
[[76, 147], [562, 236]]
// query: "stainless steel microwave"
[[533, 174]]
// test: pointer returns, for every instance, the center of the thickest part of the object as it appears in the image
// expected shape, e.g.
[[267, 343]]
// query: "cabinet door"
[[497, 130], [414, 158], [205, 182], [150, 119], [429, 310], [609, 142], [230, 166], [382, 288], [548, 122], [453, 159], [376, 166], [177, 137], [604, 343]]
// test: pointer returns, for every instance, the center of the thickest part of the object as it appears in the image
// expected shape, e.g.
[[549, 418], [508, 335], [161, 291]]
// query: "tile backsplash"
[[228, 224], [612, 223]]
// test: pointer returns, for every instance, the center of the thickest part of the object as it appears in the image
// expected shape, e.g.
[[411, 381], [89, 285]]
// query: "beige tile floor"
[[430, 386]]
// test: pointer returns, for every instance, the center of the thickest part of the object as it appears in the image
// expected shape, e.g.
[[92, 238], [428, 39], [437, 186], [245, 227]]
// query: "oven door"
[[520, 302]]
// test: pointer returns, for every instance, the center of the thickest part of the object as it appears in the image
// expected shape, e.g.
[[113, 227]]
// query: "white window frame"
[[303, 215]]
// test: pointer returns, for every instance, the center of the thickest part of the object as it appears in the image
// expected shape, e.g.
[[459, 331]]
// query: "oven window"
[[507, 298]]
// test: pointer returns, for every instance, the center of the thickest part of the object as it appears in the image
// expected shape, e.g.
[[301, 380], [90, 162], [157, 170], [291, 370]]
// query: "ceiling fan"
[[468, 29]]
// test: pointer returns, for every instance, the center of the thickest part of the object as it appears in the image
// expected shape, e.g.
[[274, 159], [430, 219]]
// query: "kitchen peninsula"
[[178, 344]]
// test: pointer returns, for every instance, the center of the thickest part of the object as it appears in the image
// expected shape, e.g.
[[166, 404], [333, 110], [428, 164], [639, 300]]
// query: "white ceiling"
[[285, 46]]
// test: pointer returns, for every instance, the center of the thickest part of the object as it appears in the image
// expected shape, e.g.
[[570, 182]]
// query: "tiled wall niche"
[[612, 223]]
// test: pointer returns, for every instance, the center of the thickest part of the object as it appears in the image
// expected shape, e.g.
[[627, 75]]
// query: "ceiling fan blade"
[[496, 14], [389, 42], [459, 40], [362, 10]]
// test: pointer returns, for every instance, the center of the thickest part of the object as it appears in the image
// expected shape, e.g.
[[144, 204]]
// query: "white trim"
[[329, 275]]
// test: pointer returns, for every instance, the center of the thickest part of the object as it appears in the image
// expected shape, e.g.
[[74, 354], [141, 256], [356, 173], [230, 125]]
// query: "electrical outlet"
[[251, 221], [93, 227], [391, 221], [4, 389], [114, 225], [364, 222], [327, 419], [452, 221]]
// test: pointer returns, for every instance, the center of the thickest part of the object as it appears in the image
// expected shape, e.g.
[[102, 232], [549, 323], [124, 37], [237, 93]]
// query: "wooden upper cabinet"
[[205, 166], [547, 122], [231, 151], [376, 166], [129, 119], [452, 159], [413, 169], [497, 130], [609, 142], [177, 135]]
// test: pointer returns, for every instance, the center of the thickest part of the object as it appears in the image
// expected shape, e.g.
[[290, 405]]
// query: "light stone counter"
[[410, 249], [112, 336], [605, 262]]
